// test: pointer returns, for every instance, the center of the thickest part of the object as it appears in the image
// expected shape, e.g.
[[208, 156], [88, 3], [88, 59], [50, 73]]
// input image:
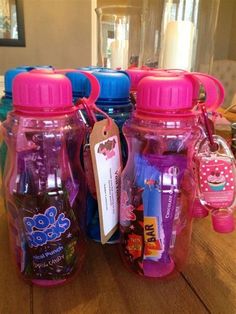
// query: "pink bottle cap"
[[135, 74], [177, 71], [161, 72], [40, 93], [163, 93], [176, 91], [43, 71], [199, 211], [222, 221]]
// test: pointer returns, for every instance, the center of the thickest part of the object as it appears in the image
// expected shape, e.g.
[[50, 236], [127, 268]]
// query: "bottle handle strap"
[[213, 144], [214, 90]]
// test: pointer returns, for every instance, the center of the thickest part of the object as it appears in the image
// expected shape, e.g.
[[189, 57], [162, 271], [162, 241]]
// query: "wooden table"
[[208, 284]]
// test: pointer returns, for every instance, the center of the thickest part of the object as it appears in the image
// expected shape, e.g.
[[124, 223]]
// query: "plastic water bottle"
[[6, 105], [6, 100], [158, 184], [44, 183], [114, 99]]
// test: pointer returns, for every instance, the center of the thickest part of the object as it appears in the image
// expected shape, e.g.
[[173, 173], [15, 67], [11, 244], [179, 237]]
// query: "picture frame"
[[12, 31]]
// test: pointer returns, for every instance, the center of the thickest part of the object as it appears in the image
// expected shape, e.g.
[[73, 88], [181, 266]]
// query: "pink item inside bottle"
[[151, 269], [48, 283]]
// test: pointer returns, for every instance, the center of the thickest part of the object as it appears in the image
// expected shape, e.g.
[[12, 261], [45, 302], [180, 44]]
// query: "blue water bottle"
[[114, 99]]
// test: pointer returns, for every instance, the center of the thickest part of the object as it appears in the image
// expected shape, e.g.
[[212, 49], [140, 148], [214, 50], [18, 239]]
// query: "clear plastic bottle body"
[[44, 187], [157, 194]]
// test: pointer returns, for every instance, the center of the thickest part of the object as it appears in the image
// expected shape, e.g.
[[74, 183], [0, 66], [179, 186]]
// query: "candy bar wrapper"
[[163, 198], [148, 208]]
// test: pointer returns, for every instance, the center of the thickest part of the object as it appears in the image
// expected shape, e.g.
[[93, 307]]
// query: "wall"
[[224, 32], [232, 45], [58, 32]]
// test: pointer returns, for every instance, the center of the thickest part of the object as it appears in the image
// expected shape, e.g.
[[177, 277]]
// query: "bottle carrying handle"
[[214, 90], [95, 88], [89, 103]]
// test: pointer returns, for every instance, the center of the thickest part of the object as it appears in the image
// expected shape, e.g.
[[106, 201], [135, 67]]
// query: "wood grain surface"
[[207, 285]]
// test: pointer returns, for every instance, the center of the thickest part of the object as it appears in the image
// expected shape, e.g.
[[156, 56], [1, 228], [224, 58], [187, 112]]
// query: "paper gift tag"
[[107, 167]]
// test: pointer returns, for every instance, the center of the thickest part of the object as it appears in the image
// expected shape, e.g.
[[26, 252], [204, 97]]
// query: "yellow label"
[[152, 243]]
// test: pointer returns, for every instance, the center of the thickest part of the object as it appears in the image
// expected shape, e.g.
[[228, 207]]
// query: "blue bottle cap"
[[11, 73], [26, 67], [90, 68], [78, 82], [115, 86], [29, 67], [8, 79]]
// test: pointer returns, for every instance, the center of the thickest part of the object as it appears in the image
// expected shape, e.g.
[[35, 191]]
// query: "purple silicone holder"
[[48, 283], [154, 269]]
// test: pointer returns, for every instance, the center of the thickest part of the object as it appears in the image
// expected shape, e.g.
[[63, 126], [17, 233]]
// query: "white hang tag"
[[107, 166]]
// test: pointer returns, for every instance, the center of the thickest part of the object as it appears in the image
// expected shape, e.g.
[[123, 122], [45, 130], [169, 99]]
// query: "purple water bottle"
[[44, 182]]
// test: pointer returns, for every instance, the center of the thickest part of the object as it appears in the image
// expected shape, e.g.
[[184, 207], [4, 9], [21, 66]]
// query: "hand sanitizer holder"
[[216, 175]]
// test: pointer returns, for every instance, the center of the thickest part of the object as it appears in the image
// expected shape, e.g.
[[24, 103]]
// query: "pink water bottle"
[[158, 185], [44, 183]]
